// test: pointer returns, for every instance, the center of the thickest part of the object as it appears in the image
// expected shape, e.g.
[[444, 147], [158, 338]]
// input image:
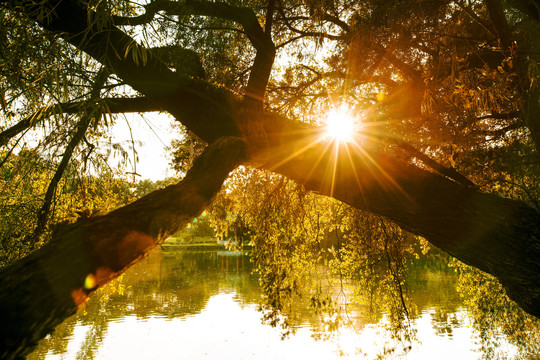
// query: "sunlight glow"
[[340, 125]]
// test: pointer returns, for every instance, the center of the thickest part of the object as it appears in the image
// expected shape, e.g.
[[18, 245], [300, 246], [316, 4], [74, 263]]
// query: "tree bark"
[[43, 289]]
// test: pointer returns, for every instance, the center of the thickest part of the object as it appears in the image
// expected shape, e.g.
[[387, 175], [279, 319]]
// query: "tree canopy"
[[445, 141]]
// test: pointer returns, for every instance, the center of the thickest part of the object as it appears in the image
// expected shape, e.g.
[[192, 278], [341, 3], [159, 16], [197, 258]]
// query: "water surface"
[[204, 305]]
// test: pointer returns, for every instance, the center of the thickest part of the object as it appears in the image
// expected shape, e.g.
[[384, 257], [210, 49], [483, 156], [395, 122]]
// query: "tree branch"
[[316, 34], [259, 38], [151, 10], [200, 106], [336, 21], [406, 69], [269, 17], [241, 15], [108, 105], [497, 235], [450, 173], [496, 14], [323, 15]]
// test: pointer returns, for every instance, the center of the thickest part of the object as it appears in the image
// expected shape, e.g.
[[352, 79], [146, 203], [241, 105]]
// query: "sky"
[[151, 134]]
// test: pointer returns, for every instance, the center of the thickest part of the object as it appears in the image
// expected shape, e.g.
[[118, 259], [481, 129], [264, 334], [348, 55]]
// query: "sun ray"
[[340, 132], [336, 158], [322, 154], [381, 170], [296, 153], [360, 188]]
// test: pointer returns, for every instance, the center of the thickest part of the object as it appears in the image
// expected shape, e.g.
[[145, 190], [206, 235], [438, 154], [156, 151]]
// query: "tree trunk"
[[43, 289]]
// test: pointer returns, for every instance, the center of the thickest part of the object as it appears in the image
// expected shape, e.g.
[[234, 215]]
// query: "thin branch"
[[317, 34], [134, 151], [269, 17], [241, 15], [450, 173], [336, 74], [214, 28], [291, 40], [91, 148], [289, 25], [324, 16], [394, 272], [82, 126], [151, 10], [399, 64], [336, 21], [12, 148], [497, 115]]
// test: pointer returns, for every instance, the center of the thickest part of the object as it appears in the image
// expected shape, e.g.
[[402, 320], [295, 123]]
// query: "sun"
[[340, 125]]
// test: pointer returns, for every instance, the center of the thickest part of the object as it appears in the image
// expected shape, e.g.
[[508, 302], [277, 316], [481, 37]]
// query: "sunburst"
[[340, 125]]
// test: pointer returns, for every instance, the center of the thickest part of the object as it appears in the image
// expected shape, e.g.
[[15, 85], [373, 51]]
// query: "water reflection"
[[203, 305]]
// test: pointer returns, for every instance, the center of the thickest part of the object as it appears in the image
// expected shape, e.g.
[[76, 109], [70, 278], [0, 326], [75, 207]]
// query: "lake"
[[180, 304]]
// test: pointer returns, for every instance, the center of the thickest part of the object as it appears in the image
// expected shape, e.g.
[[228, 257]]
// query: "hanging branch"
[[394, 271], [82, 126], [12, 148], [287, 21]]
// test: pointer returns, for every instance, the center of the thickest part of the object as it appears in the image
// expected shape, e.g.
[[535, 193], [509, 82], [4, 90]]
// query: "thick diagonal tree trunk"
[[42, 290]]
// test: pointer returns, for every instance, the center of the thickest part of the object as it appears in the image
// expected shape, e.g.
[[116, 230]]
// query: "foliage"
[[18, 213], [443, 80], [145, 186], [497, 318], [24, 181], [184, 150], [313, 252]]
